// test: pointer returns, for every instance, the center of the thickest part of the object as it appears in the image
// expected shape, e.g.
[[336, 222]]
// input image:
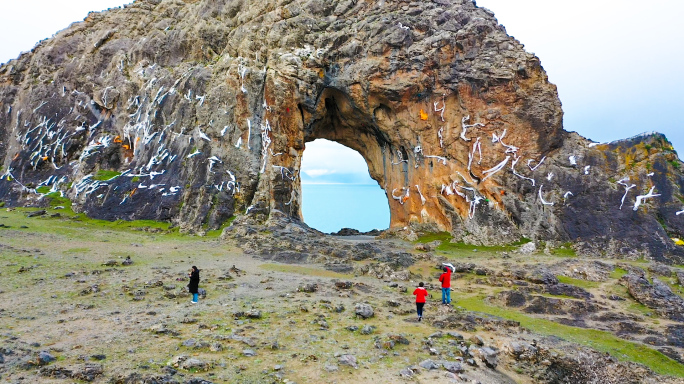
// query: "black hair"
[[420, 284], [195, 268], [444, 269]]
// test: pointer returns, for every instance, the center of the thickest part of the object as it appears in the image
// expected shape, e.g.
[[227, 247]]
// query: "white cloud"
[[328, 161], [319, 172], [325, 154]]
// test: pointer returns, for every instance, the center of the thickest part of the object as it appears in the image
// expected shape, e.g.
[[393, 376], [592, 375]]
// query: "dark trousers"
[[419, 308]]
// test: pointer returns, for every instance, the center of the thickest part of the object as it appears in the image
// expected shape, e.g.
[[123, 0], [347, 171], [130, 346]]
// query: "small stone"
[[455, 335], [249, 352], [428, 364], [399, 339], [489, 356], [349, 360], [367, 329], [453, 367], [278, 368], [344, 285], [528, 248], [189, 343], [364, 311], [193, 363], [253, 314], [331, 367], [98, 357], [477, 340], [45, 358], [308, 288]]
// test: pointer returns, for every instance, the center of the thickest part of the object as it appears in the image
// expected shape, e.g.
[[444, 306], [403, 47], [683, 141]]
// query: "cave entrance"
[[338, 192]]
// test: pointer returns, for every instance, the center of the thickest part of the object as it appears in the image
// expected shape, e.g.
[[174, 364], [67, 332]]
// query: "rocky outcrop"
[[194, 112], [657, 296]]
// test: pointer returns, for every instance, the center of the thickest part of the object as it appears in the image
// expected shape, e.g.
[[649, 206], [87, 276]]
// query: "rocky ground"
[[285, 305]]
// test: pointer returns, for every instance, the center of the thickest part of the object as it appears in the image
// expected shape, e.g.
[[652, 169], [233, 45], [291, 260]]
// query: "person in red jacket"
[[445, 279], [420, 293]]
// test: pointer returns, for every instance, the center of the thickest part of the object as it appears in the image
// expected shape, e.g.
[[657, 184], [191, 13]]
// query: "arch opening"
[[338, 192]]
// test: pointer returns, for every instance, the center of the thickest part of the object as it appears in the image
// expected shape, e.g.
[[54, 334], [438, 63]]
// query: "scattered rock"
[[543, 276], [364, 311], [453, 367], [308, 288], [429, 364], [349, 360], [680, 277], [45, 358], [344, 284], [455, 335], [660, 269], [657, 296], [477, 340], [528, 248], [367, 329], [249, 352]]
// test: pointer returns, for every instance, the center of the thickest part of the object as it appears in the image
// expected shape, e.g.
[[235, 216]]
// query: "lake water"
[[331, 207]]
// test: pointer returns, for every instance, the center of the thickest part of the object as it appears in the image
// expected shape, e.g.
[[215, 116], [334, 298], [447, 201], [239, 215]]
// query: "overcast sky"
[[617, 63]]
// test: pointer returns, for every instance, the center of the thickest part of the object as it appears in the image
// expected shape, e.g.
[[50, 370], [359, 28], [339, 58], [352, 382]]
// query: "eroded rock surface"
[[194, 112]]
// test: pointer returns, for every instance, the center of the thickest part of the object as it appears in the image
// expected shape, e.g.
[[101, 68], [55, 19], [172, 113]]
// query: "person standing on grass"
[[193, 286], [420, 293], [445, 279]]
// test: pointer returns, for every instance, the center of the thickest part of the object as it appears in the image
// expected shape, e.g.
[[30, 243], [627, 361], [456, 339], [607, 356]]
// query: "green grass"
[[586, 284], [618, 273], [600, 340], [104, 175], [43, 189], [461, 246], [641, 309], [564, 250], [438, 236]]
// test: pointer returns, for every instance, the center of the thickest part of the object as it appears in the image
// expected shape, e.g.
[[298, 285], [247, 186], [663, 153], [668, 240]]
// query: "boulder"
[[349, 360], [429, 364], [364, 311], [657, 296]]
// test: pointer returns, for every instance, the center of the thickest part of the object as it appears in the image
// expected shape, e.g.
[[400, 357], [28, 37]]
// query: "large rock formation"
[[195, 111]]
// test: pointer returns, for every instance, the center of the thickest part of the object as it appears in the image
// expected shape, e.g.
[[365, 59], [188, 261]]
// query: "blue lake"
[[331, 207]]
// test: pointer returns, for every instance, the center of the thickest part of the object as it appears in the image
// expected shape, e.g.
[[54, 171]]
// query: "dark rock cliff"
[[196, 111]]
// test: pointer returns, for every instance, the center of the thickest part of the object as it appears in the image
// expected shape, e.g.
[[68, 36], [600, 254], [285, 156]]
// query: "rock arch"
[[204, 107]]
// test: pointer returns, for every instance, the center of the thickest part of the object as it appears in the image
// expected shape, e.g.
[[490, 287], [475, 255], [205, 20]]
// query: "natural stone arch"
[[231, 91]]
